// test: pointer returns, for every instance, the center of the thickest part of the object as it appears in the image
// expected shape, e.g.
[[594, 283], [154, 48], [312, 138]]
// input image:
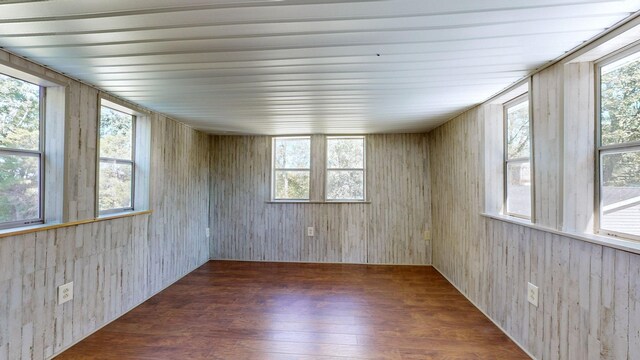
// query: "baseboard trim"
[[320, 262], [485, 314], [119, 316]]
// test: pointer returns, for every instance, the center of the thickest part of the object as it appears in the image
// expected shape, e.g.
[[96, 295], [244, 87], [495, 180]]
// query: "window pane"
[[345, 153], [19, 114], [293, 153], [620, 192], [518, 131], [345, 185], [519, 189], [620, 101], [19, 188], [115, 186], [116, 134], [292, 185]]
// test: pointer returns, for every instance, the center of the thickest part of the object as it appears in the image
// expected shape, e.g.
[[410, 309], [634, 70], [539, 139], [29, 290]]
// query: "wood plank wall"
[[114, 264], [392, 229], [589, 300]]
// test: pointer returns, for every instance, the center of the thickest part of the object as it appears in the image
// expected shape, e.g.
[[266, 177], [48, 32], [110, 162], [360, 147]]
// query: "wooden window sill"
[[598, 239], [44, 227], [316, 202]]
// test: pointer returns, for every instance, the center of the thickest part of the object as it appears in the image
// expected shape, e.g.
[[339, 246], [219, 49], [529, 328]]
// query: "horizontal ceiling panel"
[[303, 66]]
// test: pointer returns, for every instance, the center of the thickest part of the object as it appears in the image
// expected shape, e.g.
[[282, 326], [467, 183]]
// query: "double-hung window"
[[291, 168], [117, 165], [517, 163], [21, 152], [345, 168], [618, 146]]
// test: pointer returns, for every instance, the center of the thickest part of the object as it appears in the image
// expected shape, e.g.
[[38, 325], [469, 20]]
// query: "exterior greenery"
[[116, 160], [19, 130], [620, 122], [292, 157], [347, 154]]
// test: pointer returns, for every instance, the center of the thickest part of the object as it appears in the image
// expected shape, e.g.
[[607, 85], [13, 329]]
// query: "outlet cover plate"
[[65, 293], [532, 294], [311, 231]]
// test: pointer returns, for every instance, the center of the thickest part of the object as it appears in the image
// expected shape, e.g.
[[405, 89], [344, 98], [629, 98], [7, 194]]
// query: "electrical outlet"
[[532, 294], [311, 231], [65, 293], [208, 232]]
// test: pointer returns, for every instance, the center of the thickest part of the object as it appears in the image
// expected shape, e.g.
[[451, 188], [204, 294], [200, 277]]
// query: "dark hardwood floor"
[[246, 310]]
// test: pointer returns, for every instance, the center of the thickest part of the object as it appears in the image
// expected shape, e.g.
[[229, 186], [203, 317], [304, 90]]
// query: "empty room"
[[319, 179]]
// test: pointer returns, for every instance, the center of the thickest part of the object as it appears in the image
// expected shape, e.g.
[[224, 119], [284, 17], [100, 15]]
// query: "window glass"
[[620, 102], [20, 153], [517, 165], [619, 147], [518, 131], [620, 192], [19, 114], [519, 188], [291, 168], [293, 153], [116, 134], [19, 187], [345, 153], [115, 180], [345, 168]]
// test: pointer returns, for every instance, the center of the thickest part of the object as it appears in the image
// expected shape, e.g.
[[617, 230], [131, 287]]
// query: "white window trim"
[[363, 169], [40, 154], [505, 161], [274, 169], [601, 150], [132, 162]]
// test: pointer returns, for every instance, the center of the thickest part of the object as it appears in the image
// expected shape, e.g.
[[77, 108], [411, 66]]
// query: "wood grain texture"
[[578, 174], [114, 264], [391, 229], [244, 310], [588, 301], [547, 98]]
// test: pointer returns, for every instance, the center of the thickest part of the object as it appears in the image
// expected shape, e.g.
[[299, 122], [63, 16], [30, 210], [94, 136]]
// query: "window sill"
[[598, 239], [316, 202], [52, 226]]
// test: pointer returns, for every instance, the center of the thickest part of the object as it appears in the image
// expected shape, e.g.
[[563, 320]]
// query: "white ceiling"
[[303, 66]]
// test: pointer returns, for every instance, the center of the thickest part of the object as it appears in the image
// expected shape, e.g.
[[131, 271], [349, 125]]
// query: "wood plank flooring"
[[248, 310]]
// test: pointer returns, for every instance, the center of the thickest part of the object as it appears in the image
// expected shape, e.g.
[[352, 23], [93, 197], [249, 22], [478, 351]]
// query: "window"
[[291, 168], [345, 168], [619, 146], [117, 165], [517, 164], [21, 154]]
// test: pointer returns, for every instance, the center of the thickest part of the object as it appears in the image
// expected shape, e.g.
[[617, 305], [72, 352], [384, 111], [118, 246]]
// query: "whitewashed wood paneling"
[[114, 264], [589, 306], [547, 98], [391, 229]]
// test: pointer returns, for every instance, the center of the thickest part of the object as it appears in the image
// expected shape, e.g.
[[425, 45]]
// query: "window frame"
[[275, 169], [506, 161], [107, 160], [327, 169], [602, 150], [40, 154]]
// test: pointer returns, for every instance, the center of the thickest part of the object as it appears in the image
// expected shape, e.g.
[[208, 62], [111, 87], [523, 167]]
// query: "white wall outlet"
[[311, 231], [65, 293], [208, 232], [532, 294]]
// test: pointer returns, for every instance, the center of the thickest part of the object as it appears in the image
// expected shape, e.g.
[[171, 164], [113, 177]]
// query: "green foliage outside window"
[[620, 122], [116, 177], [19, 130]]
